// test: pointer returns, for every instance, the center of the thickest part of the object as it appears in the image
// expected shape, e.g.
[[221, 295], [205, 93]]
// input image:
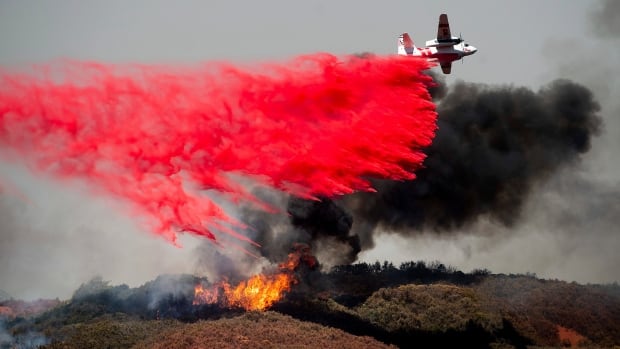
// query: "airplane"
[[444, 49]]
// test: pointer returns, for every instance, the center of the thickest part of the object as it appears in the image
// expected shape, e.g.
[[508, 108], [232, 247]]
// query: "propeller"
[[462, 46]]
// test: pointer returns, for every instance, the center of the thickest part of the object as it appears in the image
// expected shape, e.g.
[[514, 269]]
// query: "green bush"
[[435, 308]]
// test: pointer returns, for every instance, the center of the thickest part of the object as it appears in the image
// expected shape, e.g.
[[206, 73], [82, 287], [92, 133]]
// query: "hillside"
[[355, 306], [258, 330]]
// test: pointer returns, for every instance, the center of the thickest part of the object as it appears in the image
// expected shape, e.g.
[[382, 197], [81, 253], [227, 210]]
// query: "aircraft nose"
[[472, 49]]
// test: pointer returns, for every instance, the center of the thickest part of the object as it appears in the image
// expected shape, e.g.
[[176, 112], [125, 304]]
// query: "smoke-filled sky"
[[55, 236]]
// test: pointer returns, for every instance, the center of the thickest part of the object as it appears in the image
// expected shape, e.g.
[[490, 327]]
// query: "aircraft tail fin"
[[406, 47]]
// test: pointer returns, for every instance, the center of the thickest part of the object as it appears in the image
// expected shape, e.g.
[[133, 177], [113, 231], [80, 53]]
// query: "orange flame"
[[205, 296], [260, 291]]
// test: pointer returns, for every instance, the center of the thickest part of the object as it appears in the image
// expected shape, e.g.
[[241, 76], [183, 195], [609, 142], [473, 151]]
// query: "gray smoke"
[[4, 296], [56, 237], [321, 224], [25, 340], [605, 19]]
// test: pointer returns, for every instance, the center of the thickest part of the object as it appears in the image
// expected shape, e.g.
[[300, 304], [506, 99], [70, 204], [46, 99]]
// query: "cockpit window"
[[466, 45]]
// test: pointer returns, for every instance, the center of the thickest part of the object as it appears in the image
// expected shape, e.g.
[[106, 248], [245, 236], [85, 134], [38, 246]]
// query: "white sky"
[[523, 42]]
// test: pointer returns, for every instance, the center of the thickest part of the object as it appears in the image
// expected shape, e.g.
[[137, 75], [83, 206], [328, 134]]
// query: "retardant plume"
[[160, 137], [323, 224], [492, 144]]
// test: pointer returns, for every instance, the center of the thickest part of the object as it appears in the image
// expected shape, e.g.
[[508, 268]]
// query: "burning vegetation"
[[429, 304], [260, 291], [257, 293]]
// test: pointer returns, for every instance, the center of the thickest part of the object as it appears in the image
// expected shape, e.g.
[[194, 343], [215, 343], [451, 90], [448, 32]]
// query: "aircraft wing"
[[443, 29], [446, 67]]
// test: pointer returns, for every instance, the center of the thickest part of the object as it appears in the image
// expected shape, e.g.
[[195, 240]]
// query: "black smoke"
[[493, 144], [321, 224]]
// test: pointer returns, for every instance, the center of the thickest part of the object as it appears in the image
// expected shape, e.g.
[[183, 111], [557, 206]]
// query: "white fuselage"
[[443, 53]]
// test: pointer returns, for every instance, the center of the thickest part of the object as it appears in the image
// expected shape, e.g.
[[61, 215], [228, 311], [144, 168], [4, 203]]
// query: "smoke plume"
[[494, 145], [167, 140], [28, 339], [605, 19]]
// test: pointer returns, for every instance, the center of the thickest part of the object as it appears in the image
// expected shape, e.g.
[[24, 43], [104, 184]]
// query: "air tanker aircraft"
[[444, 49]]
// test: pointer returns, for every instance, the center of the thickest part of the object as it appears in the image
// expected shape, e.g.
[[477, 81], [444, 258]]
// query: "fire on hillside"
[[260, 291]]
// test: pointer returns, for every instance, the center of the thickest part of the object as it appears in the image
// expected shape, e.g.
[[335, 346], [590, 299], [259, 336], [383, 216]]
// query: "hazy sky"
[[511, 35], [59, 236]]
